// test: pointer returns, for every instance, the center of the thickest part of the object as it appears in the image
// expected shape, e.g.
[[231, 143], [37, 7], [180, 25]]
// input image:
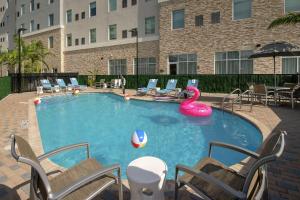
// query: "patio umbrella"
[[276, 49]]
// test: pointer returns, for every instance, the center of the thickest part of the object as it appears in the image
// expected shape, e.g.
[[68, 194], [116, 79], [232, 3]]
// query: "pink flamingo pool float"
[[191, 108]]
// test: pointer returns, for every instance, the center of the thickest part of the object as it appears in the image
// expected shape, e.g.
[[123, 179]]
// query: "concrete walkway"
[[284, 175]]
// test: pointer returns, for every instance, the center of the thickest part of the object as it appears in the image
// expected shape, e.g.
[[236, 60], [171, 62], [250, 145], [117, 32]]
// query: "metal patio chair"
[[83, 181], [291, 95], [211, 179], [260, 91]]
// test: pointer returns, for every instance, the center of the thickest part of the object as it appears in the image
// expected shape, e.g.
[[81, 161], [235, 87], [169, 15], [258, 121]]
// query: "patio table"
[[276, 90]]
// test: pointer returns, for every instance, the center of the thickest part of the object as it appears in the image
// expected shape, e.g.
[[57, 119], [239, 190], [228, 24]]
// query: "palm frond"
[[291, 18]]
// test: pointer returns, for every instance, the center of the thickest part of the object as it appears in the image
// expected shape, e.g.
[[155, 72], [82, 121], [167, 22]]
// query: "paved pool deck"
[[283, 176]]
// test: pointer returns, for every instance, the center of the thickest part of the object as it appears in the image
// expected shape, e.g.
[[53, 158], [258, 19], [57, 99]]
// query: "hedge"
[[207, 83], [5, 86]]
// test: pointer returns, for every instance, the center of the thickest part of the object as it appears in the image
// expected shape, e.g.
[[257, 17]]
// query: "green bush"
[[207, 82], [5, 86]]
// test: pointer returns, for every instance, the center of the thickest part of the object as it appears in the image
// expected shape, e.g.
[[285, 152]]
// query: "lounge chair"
[[150, 87], [75, 84], [46, 85], [185, 93], [100, 84], [83, 181], [291, 95], [62, 85], [171, 87], [211, 179]]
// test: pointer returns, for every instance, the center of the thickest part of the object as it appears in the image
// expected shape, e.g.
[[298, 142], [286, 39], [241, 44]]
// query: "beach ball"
[[75, 92], [139, 139], [37, 101]]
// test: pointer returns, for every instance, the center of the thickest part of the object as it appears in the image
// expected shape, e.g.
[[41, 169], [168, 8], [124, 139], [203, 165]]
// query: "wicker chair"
[[260, 91], [83, 181], [213, 180]]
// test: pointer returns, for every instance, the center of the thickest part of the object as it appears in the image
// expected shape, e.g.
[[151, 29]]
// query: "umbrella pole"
[[274, 61]]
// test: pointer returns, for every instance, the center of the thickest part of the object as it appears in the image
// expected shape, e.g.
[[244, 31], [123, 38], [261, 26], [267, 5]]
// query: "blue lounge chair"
[[75, 84], [61, 83], [185, 93], [171, 87], [46, 85], [151, 86]]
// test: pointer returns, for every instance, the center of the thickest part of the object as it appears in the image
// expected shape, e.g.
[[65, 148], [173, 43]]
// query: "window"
[[83, 41], [50, 42], [83, 15], [118, 66], [178, 19], [134, 32], [199, 20], [112, 5], [290, 65], [38, 6], [51, 20], [93, 11], [186, 63], [242, 9], [146, 65], [133, 2], [124, 3], [149, 25], [38, 27], [22, 11], [124, 34], [51, 1], [292, 6], [69, 40], [69, 16], [112, 32], [31, 28], [215, 17], [18, 14], [76, 17], [92, 35], [76, 42], [233, 62], [31, 5]]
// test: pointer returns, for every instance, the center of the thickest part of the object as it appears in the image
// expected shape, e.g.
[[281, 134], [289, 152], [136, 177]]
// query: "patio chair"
[[171, 87], [291, 95], [83, 181], [185, 93], [62, 85], [211, 179], [75, 84], [150, 87], [260, 91], [46, 85]]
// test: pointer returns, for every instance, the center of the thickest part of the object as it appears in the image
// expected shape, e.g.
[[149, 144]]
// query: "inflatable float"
[[191, 108]]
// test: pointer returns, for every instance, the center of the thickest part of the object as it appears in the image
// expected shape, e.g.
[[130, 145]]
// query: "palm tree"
[[291, 18]]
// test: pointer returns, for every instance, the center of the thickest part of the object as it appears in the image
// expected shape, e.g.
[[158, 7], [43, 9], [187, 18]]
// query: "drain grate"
[[24, 124]]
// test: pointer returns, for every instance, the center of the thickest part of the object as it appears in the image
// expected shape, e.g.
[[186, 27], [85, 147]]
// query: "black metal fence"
[[29, 82]]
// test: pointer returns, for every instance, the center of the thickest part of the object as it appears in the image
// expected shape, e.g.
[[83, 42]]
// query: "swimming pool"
[[107, 122]]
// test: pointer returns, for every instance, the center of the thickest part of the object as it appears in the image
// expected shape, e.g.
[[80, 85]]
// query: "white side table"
[[39, 90], [146, 178]]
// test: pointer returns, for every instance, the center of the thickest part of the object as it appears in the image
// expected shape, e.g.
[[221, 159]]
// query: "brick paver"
[[283, 177]]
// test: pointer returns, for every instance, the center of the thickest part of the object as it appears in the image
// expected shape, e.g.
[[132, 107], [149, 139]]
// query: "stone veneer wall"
[[228, 35], [54, 60], [85, 60]]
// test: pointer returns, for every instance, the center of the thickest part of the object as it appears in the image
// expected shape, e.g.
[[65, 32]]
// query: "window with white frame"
[[93, 9], [112, 5], [233, 62], [22, 11], [69, 16], [118, 66], [146, 65], [112, 32], [93, 35], [290, 65], [31, 5], [31, 28], [51, 20], [186, 63], [242, 9], [292, 6], [149, 25], [178, 19], [50, 42], [69, 40]]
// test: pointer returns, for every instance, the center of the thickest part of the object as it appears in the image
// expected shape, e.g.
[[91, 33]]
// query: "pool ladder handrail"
[[238, 99]]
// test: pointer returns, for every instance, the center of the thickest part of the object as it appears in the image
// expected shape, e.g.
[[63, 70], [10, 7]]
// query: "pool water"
[[107, 122]]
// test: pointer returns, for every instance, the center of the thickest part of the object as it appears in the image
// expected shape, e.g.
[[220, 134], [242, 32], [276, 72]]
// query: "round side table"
[[146, 178]]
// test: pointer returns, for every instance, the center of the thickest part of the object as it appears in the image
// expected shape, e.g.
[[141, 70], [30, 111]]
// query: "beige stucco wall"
[[228, 35], [55, 59], [98, 58]]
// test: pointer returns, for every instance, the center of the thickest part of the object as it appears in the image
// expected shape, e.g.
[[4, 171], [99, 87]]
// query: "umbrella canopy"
[[276, 49]]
